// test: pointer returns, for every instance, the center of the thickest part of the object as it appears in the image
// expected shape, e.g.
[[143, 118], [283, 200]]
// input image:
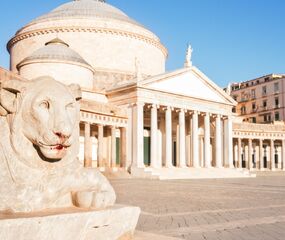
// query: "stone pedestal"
[[118, 222]]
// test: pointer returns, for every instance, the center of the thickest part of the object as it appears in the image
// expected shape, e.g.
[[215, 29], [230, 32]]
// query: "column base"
[[169, 166], [197, 167], [219, 167], [208, 167], [102, 169]]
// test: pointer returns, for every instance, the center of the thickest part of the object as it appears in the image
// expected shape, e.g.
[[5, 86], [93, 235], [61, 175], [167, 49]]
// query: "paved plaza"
[[208, 209]]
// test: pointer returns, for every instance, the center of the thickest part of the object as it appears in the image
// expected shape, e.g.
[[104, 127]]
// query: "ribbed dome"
[[55, 50], [86, 9]]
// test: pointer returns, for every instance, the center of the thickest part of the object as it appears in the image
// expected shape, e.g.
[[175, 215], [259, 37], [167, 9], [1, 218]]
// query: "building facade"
[[134, 115], [260, 100]]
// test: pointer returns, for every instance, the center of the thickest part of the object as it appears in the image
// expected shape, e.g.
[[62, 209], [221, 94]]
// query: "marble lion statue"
[[39, 142]]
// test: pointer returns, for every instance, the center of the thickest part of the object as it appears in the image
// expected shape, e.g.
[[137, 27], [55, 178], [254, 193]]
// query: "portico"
[[175, 127], [258, 148]]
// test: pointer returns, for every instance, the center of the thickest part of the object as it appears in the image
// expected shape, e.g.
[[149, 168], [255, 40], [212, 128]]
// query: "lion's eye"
[[45, 104]]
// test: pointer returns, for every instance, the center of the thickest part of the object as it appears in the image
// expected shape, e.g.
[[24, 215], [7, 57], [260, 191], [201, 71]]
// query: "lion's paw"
[[95, 200]]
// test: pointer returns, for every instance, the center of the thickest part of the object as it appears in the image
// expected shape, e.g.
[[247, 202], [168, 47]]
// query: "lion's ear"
[[76, 91], [9, 91]]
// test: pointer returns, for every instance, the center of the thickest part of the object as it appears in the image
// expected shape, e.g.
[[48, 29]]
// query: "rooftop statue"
[[39, 125]]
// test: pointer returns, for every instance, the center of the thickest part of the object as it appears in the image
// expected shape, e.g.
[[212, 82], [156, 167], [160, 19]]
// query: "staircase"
[[190, 173]]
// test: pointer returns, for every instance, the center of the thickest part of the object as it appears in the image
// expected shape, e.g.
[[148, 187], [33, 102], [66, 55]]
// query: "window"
[[252, 93], [264, 90], [267, 118], [276, 87], [277, 117], [235, 97], [242, 96], [264, 104], [243, 110], [266, 79], [253, 106], [234, 110], [276, 102], [254, 119]]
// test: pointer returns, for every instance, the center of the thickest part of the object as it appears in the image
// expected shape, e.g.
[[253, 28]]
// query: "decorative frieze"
[[94, 118]]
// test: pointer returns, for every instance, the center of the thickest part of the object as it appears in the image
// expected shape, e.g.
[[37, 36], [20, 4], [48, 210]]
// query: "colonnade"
[[106, 145], [216, 144], [259, 154]]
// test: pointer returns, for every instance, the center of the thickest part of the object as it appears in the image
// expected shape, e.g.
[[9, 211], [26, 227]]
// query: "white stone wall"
[[63, 72]]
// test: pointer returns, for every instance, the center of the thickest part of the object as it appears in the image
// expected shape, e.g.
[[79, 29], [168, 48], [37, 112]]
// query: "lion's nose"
[[63, 131], [62, 136]]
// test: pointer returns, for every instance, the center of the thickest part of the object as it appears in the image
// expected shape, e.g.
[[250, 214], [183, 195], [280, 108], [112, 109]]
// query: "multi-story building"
[[260, 100]]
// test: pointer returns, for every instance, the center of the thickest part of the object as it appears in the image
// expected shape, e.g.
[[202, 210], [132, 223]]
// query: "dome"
[[57, 60], [85, 9], [54, 50], [97, 33]]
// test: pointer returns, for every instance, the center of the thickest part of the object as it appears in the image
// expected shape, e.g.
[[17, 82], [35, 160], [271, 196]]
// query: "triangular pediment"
[[189, 82]]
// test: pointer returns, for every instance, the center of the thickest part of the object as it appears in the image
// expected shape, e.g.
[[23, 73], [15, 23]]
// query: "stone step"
[[190, 173]]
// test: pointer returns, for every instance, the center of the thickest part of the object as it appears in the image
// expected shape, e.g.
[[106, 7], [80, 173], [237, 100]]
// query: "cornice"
[[29, 34]]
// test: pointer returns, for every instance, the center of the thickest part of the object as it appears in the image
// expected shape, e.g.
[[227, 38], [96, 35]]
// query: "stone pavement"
[[221, 209]]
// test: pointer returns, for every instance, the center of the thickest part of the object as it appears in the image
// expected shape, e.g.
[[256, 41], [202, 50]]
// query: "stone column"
[[87, 145], [250, 154], [218, 142], [138, 144], [239, 153], [182, 149], [283, 155], [195, 140], [113, 147], [279, 150], [153, 137], [100, 146], [228, 141], [201, 152], [129, 135], [207, 141], [272, 153], [123, 147], [168, 137], [261, 161], [236, 154]]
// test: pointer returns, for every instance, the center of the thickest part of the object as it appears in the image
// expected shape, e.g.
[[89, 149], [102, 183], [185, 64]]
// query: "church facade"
[[135, 116]]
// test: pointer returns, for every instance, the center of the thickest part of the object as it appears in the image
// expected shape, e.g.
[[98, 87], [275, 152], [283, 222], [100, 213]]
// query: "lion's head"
[[43, 116]]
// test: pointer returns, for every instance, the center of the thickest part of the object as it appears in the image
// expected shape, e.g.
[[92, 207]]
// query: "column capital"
[[167, 108], [138, 104], [181, 110], [153, 105], [216, 115]]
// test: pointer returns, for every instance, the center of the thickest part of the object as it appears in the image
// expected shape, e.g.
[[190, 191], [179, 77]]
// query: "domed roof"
[[55, 50], [86, 9]]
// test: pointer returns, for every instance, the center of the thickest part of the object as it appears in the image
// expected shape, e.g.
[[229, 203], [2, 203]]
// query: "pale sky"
[[233, 40]]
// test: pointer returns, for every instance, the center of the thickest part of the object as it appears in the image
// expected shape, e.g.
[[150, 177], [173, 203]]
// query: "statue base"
[[118, 222]]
